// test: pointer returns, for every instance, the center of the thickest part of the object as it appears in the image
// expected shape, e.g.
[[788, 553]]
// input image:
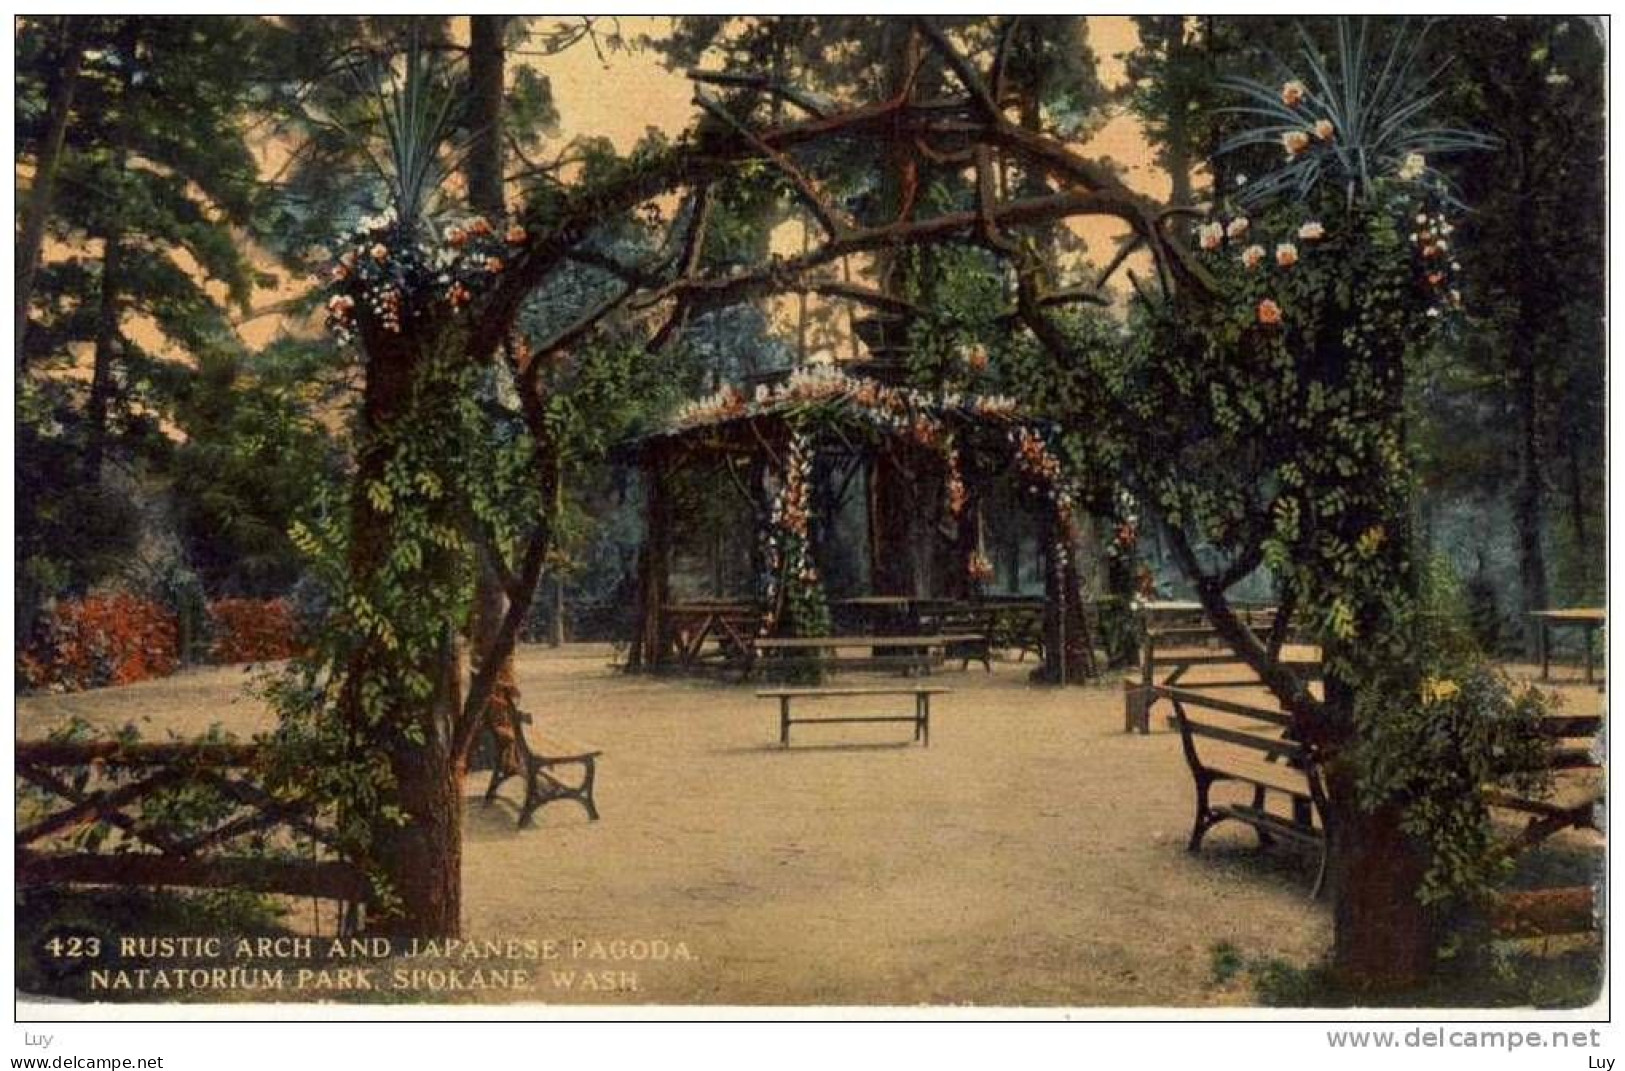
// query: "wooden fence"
[[243, 838]]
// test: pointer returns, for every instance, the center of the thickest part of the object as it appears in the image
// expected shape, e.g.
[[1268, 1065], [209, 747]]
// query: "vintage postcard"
[[860, 514]]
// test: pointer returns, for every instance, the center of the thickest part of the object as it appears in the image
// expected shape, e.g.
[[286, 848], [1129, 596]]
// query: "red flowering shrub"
[[252, 630], [102, 640]]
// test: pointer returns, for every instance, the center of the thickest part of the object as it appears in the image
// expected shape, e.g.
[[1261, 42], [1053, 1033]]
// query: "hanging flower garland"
[[1038, 464], [792, 592], [903, 410], [1127, 535], [954, 483], [394, 280]]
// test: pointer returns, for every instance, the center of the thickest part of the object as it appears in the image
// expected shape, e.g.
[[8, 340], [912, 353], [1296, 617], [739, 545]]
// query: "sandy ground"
[[1032, 855]]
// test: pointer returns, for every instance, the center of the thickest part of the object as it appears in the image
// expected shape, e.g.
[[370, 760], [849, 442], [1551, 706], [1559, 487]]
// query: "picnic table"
[[1588, 619], [908, 653], [727, 624]]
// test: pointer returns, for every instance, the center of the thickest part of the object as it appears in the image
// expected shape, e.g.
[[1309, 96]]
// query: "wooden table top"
[[793, 643], [815, 693], [881, 600], [1579, 615]]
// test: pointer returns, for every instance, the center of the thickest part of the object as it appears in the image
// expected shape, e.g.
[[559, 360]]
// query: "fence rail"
[[126, 789]]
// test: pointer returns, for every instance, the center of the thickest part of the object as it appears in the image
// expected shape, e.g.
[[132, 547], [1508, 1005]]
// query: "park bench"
[[968, 630], [539, 756], [1018, 624], [1227, 742], [1167, 657], [909, 655], [920, 718]]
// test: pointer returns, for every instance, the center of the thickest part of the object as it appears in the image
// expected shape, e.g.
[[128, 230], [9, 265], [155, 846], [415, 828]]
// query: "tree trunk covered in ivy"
[[1384, 937], [419, 852]]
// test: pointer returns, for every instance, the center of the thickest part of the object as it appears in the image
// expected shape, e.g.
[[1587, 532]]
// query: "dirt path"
[[1034, 854]]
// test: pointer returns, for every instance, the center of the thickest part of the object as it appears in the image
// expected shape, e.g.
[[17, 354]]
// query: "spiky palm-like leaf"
[[1377, 105], [416, 112]]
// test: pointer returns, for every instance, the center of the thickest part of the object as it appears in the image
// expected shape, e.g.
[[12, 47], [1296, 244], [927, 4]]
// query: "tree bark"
[[108, 339], [1529, 497], [1384, 938], [483, 172], [483, 169], [109, 307], [420, 858], [424, 857], [64, 80]]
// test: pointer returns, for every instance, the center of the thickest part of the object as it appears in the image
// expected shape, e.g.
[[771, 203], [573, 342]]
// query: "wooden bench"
[[539, 756], [910, 655], [968, 630], [1018, 625], [920, 718], [1250, 750], [1168, 655]]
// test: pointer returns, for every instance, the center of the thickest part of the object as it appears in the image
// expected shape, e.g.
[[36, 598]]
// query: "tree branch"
[[1290, 690], [826, 214], [805, 101], [967, 74]]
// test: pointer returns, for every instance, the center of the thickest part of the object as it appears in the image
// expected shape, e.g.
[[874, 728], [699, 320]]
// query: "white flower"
[[1237, 228], [1324, 130], [1210, 235], [1253, 256], [1286, 254], [1312, 231], [1414, 167], [1293, 93], [1295, 142]]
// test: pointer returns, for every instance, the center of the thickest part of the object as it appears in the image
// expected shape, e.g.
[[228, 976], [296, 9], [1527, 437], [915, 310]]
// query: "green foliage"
[[1375, 107], [1505, 975], [1432, 750], [1224, 962], [365, 689], [153, 153], [254, 452]]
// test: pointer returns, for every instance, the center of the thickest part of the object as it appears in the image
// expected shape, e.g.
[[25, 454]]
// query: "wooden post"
[[649, 647]]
